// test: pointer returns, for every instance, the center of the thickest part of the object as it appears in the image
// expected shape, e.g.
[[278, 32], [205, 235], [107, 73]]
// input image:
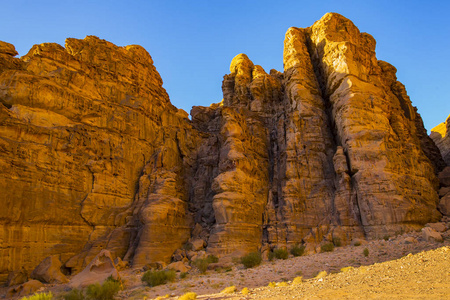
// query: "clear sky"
[[192, 42]]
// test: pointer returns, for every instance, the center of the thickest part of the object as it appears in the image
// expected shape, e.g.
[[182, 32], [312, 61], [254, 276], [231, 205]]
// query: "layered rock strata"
[[440, 136], [94, 156]]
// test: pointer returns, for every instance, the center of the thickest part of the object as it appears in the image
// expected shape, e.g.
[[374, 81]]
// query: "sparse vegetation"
[[244, 291], [188, 296], [229, 290], [183, 275], [328, 247], [74, 294], [212, 259], [280, 253], [201, 264], [366, 252], [337, 241], [298, 250], [40, 296], [251, 260], [297, 280], [357, 244], [154, 278], [106, 291]]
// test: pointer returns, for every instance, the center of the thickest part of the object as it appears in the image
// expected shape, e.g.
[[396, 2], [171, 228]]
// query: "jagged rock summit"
[[94, 156]]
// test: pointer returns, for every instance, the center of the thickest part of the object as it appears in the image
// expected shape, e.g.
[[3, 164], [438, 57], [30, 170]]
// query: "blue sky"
[[192, 42]]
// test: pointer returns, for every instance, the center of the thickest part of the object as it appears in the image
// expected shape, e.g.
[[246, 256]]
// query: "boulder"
[[439, 227], [197, 244], [444, 205], [431, 235], [178, 266], [97, 271], [49, 271], [24, 289], [17, 277]]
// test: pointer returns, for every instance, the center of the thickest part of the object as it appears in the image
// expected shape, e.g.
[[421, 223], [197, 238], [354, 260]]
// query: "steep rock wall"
[[94, 156]]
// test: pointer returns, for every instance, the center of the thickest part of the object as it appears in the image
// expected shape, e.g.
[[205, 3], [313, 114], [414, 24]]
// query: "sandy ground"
[[424, 275], [404, 267]]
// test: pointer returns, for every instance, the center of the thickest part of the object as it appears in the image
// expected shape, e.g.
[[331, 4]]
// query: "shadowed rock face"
[[94, 156]]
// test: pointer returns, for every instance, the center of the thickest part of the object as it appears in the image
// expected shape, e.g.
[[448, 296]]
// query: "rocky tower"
[[94, 156]]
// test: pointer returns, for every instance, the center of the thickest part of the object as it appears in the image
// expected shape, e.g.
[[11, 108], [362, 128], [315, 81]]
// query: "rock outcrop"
[[440, 136], [93, 156]]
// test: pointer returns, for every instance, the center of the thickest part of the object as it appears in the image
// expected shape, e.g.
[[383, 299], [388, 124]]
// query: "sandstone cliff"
[[440, 136], [94, 156]]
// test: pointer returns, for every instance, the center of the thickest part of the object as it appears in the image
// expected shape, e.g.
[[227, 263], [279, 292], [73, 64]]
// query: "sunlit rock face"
[[94, 156], [440, 136]]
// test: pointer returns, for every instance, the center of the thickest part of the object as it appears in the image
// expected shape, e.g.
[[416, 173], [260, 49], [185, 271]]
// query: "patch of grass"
[[188, 296], [328, 247], [280, 253], [229, 290], [183, 275], [298, 250], [154, 278], [297, 280], [74, 294], [40, 296], [251, 260], [245, 291], [366, 252], [337, 242]]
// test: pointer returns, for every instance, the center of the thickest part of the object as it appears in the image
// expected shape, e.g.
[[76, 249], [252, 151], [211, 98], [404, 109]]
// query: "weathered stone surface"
[[49, 271], [178, 266], [439, 226], [439, 135], [431, 235], [93, 156], [97, 271], [77, 126], [17, 277], [25, 289]]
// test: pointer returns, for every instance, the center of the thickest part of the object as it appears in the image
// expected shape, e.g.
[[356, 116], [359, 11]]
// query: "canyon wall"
[[94, 156]]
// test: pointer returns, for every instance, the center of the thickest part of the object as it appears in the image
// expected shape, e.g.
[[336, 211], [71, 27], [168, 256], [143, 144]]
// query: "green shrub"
[[40, 296], [366, 252], [74, 294], [154, 278], [106, 291], [212, 259], [298, 250], [201, 264], [188, 296], [280, 253], [183, 275], [328, 247], [271, 256], [251, 260], [337, 241]]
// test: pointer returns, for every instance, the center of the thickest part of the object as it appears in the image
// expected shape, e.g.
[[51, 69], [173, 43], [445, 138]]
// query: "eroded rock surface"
[[93, 156], [440, 136]]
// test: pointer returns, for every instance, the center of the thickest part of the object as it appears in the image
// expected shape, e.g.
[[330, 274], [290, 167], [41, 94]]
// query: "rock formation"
[[442, 139], [93, 156]]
